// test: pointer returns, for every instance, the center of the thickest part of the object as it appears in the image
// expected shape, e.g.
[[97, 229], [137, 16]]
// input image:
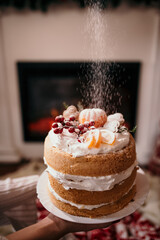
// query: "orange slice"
[[97, 136], [90, 141], [93, 139], [108, 137]]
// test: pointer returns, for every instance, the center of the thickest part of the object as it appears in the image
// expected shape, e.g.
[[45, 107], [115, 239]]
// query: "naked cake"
[[91, 163]]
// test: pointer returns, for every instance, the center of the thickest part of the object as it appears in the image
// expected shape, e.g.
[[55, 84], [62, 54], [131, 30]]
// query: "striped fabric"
[[17, 201], [2, 238]]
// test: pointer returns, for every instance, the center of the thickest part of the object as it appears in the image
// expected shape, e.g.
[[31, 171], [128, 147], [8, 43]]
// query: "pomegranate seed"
[[72, 118], [71, 130], [59, 119], [79, 140], [54, 125], [80, 127], [92, 123]]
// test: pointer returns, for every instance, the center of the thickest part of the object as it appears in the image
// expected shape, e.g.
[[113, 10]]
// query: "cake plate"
[[142, 188]]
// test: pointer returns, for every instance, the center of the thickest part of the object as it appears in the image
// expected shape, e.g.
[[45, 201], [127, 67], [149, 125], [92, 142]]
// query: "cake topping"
[[54, 125], [95, 114], [72, 118], [81, 127], [71, 125], [71, 113], [116, 116], [59, 118], [71, 129], [113, 125], [94, 133], [58, 130], [67, 124], [108, 137], [93, 138]]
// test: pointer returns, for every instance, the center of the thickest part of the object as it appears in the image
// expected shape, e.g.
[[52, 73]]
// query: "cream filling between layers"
[[88, 183], [81, 206]]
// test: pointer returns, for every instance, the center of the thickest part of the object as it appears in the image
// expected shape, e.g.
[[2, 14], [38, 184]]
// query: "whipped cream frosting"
[[79, 206], [116, 116], [69, 143], [72, 146], [88, 183]]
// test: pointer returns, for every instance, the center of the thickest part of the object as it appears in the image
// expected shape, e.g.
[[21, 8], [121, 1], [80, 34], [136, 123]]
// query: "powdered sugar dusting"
[[99, 90]]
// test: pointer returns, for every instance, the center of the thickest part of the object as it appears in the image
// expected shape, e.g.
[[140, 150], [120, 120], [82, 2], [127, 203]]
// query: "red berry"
[[59, 118], [58, 130], [72, 118], [66, 127], [54, 125], [71, 129], [92, 123], [80, 127], [68, 123], [86, 125], [77, 130], [84, 131]]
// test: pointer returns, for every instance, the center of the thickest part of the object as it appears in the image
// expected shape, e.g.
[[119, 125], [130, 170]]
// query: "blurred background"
[[45, 50]]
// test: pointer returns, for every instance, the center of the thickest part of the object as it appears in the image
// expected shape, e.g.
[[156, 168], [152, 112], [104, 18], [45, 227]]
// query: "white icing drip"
[[79, 206], [90, 183]]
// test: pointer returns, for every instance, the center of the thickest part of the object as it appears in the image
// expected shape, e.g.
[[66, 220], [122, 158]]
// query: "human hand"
[[69, 227], [52, 228]]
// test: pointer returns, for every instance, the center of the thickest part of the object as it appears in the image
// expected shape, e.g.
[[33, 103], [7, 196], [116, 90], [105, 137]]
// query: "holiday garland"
[[43, 5]]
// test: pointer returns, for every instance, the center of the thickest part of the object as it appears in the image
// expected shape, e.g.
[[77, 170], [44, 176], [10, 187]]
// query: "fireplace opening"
[[46, 86]]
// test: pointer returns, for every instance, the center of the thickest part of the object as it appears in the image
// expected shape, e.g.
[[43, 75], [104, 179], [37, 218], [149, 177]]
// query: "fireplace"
[[45, 87], [132, 35]]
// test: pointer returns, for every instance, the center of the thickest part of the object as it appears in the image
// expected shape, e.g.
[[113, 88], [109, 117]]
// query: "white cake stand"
[[142, 188]]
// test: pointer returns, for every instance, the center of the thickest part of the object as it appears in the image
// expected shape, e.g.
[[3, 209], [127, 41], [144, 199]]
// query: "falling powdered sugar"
[[99, 89]]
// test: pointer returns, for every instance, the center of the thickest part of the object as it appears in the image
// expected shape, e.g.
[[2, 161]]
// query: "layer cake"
[[91, 163]]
